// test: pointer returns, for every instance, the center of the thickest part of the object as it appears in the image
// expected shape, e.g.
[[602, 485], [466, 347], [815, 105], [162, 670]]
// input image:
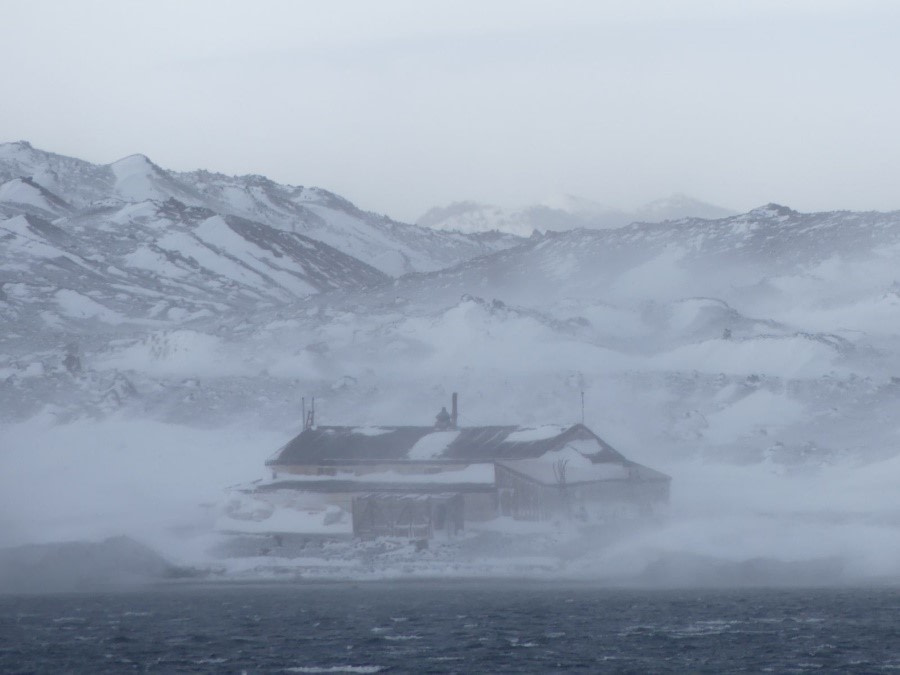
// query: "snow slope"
[[161, 261], [155, 350], [392, 247]]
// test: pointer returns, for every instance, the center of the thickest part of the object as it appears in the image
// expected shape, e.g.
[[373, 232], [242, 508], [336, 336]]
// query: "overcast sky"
[[400, 106]]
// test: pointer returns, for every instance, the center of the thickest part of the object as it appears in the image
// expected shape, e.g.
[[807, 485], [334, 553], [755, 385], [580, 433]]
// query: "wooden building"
[[424, 481]]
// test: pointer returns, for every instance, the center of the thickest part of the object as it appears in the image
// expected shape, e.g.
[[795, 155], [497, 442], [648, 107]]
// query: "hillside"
[[158, 340], [48, 185]]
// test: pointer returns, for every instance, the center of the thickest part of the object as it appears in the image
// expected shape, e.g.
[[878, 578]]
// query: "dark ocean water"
[[465, 627]]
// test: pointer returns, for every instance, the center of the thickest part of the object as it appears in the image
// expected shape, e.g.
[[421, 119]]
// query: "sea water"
[[447, 627]]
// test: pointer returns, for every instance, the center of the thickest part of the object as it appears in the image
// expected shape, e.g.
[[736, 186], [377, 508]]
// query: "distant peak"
[[574, 204], [15, 147], [676, 198], [772, 209], [133, 160], [438, 214], [134, 168], [678, 206]]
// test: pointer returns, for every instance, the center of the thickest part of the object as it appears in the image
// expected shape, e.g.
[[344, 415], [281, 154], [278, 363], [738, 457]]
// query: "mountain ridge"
[[565, 213], [393, 247]]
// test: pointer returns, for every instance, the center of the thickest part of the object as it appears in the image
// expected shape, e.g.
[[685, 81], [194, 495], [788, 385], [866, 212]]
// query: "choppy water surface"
[[451, 627]]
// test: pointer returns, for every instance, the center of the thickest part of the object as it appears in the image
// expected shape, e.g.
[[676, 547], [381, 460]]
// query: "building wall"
[[473, 506], [479, 506], [410, 516], [525, 499]]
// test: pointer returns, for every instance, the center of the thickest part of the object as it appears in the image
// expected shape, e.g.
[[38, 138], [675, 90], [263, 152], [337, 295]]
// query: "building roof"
[[545, 471], [361, 486], [323, 446]]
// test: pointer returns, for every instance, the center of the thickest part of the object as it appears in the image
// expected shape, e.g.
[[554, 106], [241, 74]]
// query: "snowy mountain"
[[155, 320], [24, 196], [757, 254], [474, 217], [677, 207], [392, 247], [566, 212], [150, 262], [769, 332]]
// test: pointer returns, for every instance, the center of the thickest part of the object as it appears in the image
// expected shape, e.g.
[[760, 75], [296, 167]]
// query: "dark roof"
[[359, 486], [360, 445]]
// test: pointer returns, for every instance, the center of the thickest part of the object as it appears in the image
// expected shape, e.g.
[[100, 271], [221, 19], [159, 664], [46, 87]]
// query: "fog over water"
[[161, 322]]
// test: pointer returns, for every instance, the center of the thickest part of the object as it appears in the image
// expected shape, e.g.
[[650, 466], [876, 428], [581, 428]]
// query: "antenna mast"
[[309, 419]]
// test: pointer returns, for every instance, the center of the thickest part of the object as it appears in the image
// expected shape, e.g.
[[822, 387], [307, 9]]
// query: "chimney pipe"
[[454, 412]]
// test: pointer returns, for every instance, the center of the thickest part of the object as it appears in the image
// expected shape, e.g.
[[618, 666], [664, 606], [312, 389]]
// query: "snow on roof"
[[431, 446], [371, 431], [584, 447], [585, 461], [354, 445], [534, 434]]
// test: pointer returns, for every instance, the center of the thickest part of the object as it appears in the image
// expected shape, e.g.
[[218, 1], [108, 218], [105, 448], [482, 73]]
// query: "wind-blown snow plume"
[[160, 329]]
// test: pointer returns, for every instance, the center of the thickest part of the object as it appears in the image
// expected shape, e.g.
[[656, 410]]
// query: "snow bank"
[[78, 306], [761, 411], [473, 335], [662, 278], [793, 356], [177, 353]]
